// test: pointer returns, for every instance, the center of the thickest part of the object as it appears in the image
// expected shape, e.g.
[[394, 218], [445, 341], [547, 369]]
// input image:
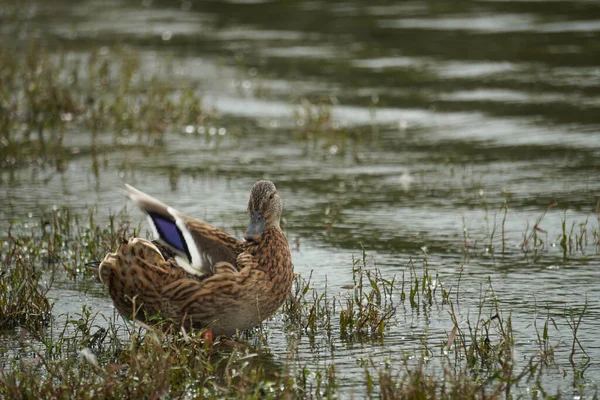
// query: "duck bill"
[[255, 228]]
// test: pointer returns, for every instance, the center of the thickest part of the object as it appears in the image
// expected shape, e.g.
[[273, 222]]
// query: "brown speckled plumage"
[[245, 282]]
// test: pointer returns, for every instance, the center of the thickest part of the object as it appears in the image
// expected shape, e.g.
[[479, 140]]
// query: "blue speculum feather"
[[170, 233]]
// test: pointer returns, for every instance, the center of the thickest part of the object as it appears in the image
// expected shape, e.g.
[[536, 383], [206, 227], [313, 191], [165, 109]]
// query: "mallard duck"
[[199, 276]]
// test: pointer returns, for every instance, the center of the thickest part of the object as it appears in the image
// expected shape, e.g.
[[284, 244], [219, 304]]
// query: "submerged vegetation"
[[94, 355]]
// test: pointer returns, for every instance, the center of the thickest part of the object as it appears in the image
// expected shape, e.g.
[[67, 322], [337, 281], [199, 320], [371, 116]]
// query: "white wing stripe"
[[153, 227], [195, 251]]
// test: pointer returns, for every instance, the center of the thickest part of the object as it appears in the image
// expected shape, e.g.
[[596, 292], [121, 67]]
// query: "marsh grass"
[[88, 354], [102, 359], [484, 346], [314, 125], [151, 364], [575, 237], [364, 311], [70, 240], [61, 242], [116, 98], [23, 294], [369, 307], [44, 97], [308, 311]]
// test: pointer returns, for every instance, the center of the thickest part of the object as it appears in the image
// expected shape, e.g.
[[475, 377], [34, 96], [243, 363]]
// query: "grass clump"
[[414, 382], [60, 242], [23, 294], [44, 97], [574, 238], [314, 124], [483, 347], [363, 312], [369, 309], [309, 311]]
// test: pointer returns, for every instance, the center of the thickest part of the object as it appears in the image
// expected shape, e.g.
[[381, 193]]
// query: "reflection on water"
[[432, 116]]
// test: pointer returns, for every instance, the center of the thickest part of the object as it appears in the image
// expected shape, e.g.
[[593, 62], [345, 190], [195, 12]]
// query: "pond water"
[[435, 114]]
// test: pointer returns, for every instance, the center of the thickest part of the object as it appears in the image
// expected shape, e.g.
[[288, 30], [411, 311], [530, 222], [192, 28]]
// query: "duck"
[[198, 276]]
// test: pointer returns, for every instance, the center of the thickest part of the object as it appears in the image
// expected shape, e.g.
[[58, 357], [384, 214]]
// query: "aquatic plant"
[[45, 98], [23, 287], [369, 308]]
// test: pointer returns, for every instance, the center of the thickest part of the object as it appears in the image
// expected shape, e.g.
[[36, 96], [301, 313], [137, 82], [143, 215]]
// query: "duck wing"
[[198, 245]]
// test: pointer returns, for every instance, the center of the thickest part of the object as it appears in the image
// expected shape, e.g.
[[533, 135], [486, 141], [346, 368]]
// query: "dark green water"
[[438, 111]]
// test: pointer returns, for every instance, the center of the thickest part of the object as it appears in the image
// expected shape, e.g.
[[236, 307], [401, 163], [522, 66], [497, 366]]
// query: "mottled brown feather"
[[249, 280]]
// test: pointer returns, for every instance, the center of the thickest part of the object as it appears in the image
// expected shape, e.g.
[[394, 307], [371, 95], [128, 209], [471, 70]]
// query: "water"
[[438, 111]]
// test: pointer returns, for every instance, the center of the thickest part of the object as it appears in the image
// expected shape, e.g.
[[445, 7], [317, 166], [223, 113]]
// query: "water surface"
[[437, 113]]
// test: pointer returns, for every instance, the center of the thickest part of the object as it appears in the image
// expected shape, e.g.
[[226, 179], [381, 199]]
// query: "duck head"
[[264, 208]]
